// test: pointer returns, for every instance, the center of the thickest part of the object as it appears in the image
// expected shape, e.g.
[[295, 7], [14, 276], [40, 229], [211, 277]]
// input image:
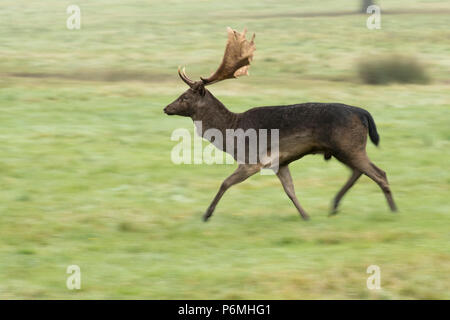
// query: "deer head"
[[236, 61]]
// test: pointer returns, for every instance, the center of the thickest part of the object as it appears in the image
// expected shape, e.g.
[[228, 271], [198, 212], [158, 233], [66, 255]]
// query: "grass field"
[[86, 177]]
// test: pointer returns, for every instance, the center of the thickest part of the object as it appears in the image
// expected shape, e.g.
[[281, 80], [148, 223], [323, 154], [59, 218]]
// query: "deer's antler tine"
[[184, 77]]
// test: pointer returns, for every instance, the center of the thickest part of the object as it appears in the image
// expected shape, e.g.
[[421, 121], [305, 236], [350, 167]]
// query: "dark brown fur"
[[331, 129]]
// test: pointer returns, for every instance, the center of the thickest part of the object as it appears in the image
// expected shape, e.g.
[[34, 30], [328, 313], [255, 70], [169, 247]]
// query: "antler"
[[237, 57], [184, 77]]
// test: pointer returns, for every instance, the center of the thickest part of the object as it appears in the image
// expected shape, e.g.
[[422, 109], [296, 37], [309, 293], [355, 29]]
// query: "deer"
[[331, 129]]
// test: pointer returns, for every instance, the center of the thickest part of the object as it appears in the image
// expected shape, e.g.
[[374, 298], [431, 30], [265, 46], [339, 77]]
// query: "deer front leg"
[[286, 180], [240, 174]]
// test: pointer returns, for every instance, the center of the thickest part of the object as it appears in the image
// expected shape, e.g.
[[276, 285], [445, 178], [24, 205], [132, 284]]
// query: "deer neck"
[[215, 116]]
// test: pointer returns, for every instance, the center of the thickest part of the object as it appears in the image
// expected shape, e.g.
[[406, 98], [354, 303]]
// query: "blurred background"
[[85, 171]]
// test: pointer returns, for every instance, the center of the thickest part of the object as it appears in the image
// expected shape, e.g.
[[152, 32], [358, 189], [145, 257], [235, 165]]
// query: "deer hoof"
[[333, 212], [206, 216], [305, 217]]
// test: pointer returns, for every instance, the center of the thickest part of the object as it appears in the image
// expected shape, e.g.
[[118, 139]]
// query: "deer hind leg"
[[351, 181], [242, 172], [386, 189], [286, 180], [377, 175]]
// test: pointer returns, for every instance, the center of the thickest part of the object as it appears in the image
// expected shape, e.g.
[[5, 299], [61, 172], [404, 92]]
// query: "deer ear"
[[199, 87]]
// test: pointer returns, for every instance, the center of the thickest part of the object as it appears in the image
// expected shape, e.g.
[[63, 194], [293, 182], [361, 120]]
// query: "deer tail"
[[373, 133]]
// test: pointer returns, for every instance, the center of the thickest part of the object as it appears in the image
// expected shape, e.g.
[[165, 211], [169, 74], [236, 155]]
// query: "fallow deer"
[[332, 129]]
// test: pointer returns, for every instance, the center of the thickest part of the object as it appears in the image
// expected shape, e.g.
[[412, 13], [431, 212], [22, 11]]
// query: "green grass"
[[86, 176]]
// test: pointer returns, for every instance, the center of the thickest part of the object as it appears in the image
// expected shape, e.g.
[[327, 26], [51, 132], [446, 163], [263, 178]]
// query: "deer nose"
[[167, 110]]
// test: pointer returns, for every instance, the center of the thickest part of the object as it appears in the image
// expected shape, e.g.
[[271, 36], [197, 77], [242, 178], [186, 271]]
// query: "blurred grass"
[[86, 174], [392, 68]]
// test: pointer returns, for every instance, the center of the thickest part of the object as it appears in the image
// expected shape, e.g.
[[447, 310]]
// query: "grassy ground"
[[86, 176]]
